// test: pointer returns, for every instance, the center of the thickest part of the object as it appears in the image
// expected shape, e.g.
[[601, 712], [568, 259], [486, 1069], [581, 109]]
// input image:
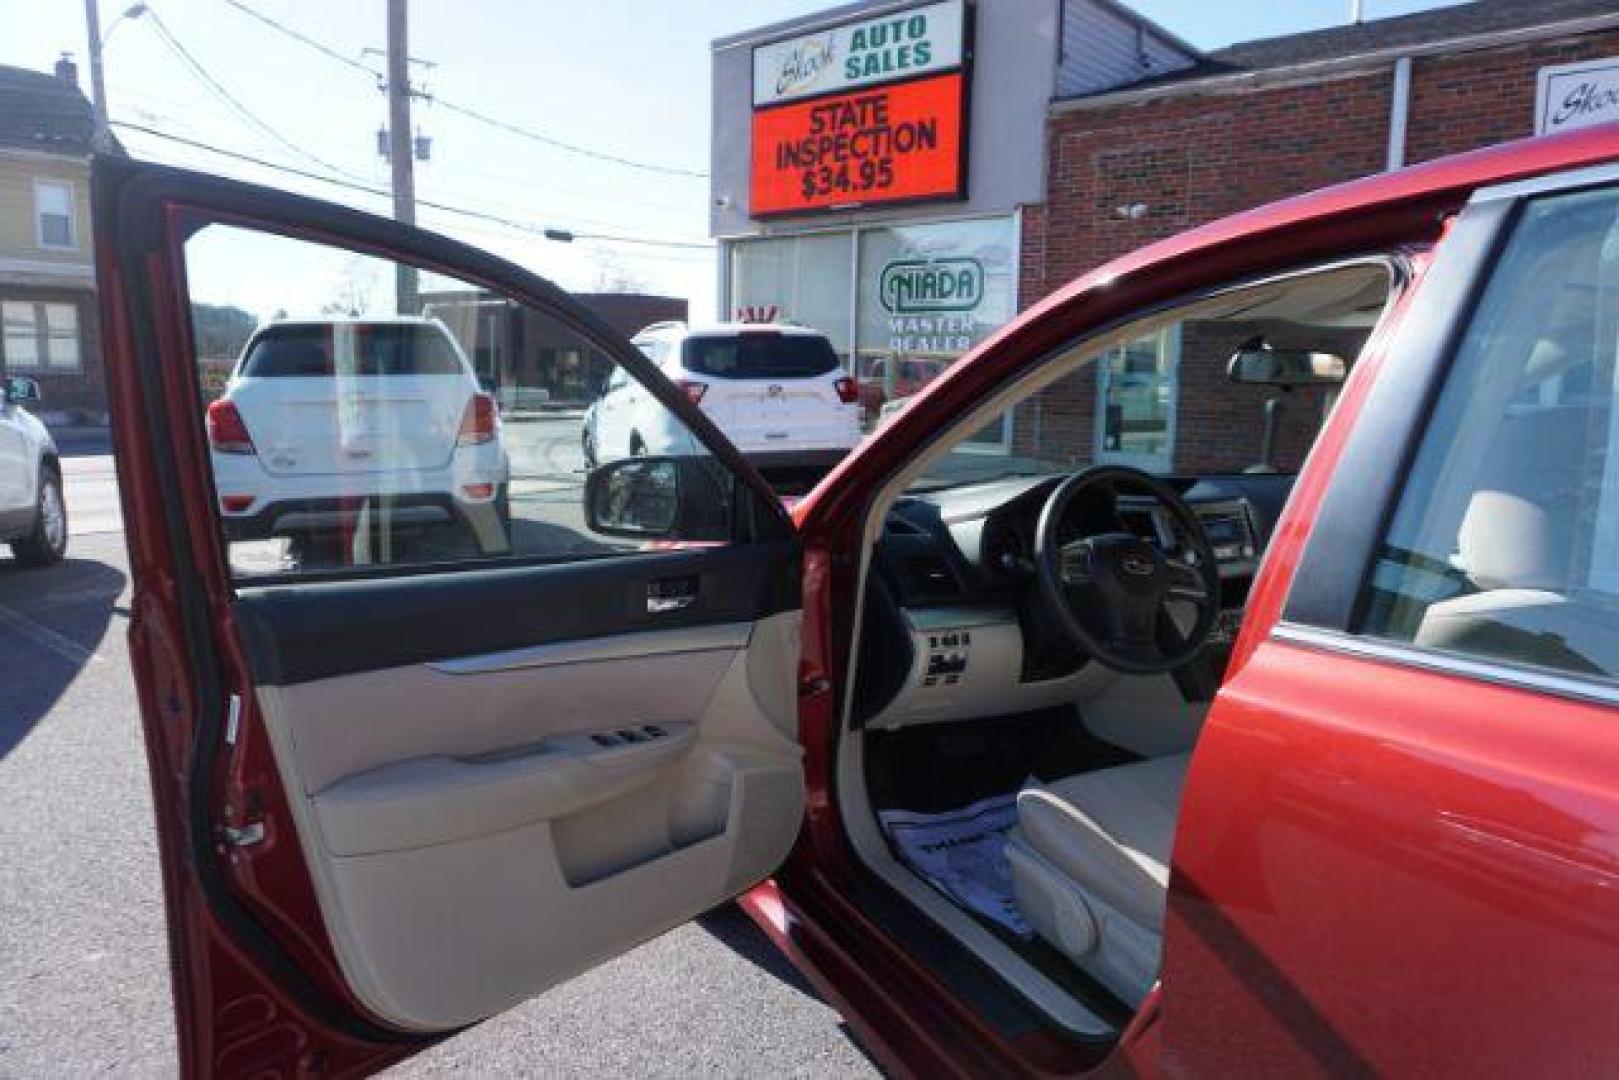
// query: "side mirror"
[[1259, 364], [658, 498], [19, 389]]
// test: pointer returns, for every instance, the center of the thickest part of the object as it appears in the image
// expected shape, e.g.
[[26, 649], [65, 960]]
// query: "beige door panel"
[[474, 843]]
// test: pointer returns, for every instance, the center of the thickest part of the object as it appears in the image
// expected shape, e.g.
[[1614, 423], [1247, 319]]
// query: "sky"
[[616, 78]]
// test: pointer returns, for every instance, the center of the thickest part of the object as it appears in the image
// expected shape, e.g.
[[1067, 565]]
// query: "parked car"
[[1047, 768], [321, 415], [779, 392], [33, 514]]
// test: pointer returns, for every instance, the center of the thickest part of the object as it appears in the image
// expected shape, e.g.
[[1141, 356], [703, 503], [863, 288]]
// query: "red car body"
[[1378, 868]]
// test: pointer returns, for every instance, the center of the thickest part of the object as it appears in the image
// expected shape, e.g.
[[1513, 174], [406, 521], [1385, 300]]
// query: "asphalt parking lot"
[[83, 957]]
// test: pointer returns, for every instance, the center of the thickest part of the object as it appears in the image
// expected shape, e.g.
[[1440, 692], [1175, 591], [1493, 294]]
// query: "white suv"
[[779, 393], [320, 415], [33, 515]]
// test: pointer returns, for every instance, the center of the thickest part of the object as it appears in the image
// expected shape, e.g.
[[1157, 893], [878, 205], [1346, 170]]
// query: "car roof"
[[728, 329], [354, 320]]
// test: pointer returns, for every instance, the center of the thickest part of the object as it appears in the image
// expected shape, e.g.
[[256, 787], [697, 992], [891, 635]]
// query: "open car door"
[[435, 718]]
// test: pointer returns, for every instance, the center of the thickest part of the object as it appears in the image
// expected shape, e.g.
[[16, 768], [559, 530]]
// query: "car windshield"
[[311, 350], [1162, 399], [759, 355]]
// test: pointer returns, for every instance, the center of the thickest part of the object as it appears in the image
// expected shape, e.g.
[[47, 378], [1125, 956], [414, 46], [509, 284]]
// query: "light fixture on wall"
[[1130, 211]]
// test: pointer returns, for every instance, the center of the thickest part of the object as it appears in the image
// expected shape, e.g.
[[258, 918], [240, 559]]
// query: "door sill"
[[1055, 1004]]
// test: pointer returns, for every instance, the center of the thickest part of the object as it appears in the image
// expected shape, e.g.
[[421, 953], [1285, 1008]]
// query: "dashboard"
[[953, 626]]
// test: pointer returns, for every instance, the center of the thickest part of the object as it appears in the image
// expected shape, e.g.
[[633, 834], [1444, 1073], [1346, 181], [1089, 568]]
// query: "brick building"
[[1093, 131], [1264, 120]]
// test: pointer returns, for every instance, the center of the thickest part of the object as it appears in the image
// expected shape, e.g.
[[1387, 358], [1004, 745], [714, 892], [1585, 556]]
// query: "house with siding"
[[48, 325]]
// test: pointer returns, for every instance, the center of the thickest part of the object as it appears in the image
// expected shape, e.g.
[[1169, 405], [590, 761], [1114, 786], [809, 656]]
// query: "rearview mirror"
[[658, 498], [1262, 365], [19, 389]]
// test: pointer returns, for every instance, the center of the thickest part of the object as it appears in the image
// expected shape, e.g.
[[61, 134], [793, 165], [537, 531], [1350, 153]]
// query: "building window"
[[53, 214], [40, 337], [900, 303], [1136, 402]]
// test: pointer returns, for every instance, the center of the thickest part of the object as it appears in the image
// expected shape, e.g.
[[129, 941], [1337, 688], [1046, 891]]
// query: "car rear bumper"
[[293, 516]]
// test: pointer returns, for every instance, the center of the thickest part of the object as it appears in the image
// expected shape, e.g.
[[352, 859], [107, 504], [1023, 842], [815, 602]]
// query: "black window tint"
[[290, 351], [307, 351], [764, 355], [1505, 544], [406, 350]]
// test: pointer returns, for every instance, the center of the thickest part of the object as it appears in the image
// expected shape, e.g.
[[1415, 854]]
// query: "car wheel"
[[47, 543]]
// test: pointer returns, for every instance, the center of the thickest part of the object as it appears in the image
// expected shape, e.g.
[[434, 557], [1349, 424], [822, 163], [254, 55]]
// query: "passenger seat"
[[1090, 867]]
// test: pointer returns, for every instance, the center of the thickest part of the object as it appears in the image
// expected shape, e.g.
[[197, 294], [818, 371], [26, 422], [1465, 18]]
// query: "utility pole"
[[98, 88], [399, 144]]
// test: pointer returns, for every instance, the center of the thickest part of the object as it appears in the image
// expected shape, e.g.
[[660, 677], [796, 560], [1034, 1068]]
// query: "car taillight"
[[227, 434], [848, 390], [235, 504], [694, 391], [478, 422]]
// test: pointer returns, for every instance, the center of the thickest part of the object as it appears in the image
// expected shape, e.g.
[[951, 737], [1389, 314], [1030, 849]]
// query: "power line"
[[572, 148], [305, 39], [369, 189], [167, 37], [474, 114]]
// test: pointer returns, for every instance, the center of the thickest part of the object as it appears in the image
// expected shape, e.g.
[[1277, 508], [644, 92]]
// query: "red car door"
[[1399, 845], [429, 732]]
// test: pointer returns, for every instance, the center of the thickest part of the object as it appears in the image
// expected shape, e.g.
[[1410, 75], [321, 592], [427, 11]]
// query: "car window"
[[760, 355], [341, 449], [324, 349], [1158, 395], [1505, 543]]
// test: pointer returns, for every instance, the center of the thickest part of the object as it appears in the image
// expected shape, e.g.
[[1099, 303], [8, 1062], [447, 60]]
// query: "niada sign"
[[1571, 96], [928, 286], [898, 45]]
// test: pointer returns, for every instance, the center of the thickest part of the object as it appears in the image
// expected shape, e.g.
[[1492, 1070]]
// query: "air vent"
[[929, 575]]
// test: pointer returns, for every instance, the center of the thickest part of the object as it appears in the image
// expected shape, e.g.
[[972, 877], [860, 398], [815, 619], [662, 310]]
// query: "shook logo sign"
[[925, 286], [899, 45], [1571, 96]]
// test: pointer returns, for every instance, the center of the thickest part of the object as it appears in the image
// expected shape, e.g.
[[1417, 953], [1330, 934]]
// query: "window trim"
[[7, 362], [42, 182], [1496, 672], [47, 337]]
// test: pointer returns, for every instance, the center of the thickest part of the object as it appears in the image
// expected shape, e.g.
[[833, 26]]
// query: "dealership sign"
[[899, 45], [867, 112], [1573, 96], [924, 286]]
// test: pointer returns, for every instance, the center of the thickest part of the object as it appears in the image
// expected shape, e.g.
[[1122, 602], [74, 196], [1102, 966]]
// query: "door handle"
[[670, 594]]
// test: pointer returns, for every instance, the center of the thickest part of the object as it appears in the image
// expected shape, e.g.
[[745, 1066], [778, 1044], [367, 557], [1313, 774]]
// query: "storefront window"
[[928, 293], [1136, 402], [801, 279]]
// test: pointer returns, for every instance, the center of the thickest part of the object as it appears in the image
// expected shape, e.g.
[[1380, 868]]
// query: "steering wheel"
[[1110, 593]]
